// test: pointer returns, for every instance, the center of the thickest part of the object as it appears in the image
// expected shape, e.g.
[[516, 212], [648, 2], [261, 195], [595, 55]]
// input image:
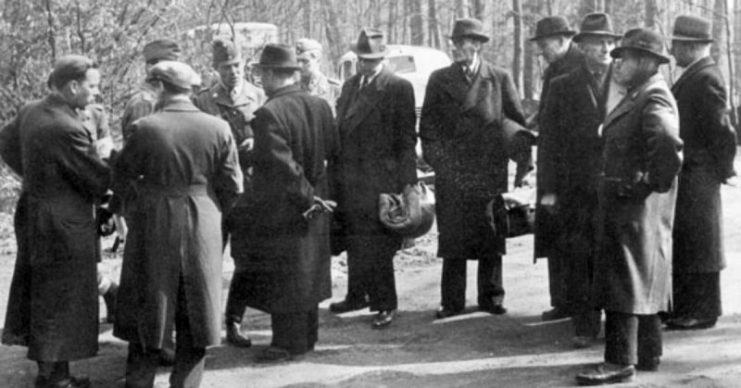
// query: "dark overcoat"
[[185, 165], [709, 150], [286, 257], [49, 147], [571, 150], [641, 159], [547, 230], [376, 126], [463, 141]]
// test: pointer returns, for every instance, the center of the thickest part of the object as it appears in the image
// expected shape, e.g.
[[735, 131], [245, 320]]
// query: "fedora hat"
[[278, 56], [371, 44], [552, 26], [469, 28], [642, 40], [596, 24], [689, 28]]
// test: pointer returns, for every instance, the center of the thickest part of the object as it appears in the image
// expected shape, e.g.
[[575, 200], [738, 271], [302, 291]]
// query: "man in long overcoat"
[[571, 144], [462, 139], [285, 250], [235, 100], [640, 162], [554, 38], [375, 115], [53, 305], [187, 174], [709, 150]]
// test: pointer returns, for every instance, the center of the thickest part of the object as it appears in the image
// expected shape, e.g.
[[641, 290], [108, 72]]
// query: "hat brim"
[[479, 37], [565, 33], [286, 67], [600, 34], [618, 53], [379, 55], [691, 39]]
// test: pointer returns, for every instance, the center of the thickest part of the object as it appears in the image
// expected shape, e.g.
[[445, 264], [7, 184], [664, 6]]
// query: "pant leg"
[[290, 331], [453, 284], [52, 372], [236, 301], [697, 295], [381, 286], [312, 326], [621, 338], [556, 284], [189, 360], [649, 337], [490, 284], [141, 366], [357, 268]]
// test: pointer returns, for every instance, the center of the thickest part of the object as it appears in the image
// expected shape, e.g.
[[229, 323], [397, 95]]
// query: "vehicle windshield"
[[402, 64]]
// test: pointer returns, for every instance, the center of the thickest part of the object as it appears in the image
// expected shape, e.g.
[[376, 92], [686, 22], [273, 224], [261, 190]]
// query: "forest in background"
[[34, 33]]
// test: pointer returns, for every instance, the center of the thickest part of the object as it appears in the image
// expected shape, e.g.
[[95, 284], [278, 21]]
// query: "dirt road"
[[471, 350]]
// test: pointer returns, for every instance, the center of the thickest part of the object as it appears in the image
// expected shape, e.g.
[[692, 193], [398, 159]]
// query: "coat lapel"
[[364, 101], [694, 69], [629, 101]]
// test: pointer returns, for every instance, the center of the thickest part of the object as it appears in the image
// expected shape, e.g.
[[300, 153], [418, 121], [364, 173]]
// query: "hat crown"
[[305, 44], [371, 44], [552, 25], [469, 27], [643, 39], [175, 73], [224, 51], [278, 56], [692, 28], [161, 50], [596, 22]]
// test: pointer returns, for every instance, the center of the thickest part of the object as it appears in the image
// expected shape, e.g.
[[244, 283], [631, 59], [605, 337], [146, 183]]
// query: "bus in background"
[[250, 37]]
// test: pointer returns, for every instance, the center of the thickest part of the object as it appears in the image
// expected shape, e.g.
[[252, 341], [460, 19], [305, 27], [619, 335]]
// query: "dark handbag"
[[410, 213], [512, 214]]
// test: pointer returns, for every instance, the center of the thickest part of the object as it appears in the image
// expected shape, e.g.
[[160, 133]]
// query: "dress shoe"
[[685, 323], [443, 313], [383, 319], [68, 382], [495, 308], [345, 306], [582, 341], [234, 335], [273, 354], [554, 314], [167, 357], [606, 373], [649, 365]]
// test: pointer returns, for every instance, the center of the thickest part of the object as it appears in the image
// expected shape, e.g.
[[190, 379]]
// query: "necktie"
[[364, 83]]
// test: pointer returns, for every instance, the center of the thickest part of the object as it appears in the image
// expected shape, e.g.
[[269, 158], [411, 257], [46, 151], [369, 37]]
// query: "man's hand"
[[548, 202], [319, 206], [248, 144]]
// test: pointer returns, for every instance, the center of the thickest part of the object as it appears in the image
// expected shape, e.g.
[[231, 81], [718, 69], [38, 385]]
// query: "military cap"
[[306, 48], [161, 50], [224, 51], [174, 73], [68, 68]]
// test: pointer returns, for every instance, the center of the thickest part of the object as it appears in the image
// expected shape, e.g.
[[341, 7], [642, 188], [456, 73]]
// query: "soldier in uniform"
[[142, 102], [235, 100], [313, 81]]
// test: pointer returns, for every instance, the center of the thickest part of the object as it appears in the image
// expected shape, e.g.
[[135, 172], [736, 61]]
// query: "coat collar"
[[286, 90], [247, 94], [362, 101], [178, 105], [692, 70], [631, 99], [454, 82]]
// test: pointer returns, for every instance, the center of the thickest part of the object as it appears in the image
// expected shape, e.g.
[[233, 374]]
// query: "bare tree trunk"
[[650, 16], [479, 9], [461, 8], [518, 43], [416, 24], [530, 9], [434, 26], [51, 32], [392, 21], [307, 17], [332, 30]]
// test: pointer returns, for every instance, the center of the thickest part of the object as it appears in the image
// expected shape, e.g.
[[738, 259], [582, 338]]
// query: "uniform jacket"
[[640, 162], [318, 84], [463, 141], [571, 150], [286, 257], [141, 104], [55, 310], [546, 225], [187, 172], [238, 110], [376, 126], [709, 150]]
